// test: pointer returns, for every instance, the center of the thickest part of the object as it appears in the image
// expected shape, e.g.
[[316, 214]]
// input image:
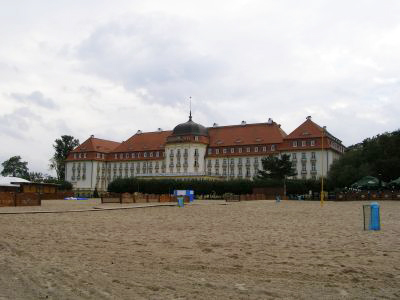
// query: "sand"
[[242, 250]]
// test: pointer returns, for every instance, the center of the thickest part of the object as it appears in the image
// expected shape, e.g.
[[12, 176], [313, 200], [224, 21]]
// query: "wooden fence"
[[137, 198], [19, 199]]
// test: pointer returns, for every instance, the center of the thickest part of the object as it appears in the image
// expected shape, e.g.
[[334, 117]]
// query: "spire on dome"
[[190, 108]]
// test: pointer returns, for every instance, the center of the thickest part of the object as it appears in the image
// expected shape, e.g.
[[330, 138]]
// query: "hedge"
[[208, 187]]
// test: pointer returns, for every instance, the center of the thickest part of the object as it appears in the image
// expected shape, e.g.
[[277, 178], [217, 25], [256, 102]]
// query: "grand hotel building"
[[191, 150]]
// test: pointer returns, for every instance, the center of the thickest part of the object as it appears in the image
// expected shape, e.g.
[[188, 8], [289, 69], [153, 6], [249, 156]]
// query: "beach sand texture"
[[242, 250]]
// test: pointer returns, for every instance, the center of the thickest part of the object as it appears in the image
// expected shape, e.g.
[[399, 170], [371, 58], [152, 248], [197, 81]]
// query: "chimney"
[[139, 132], [215, 125], [159, 129], [243, 123], [308, 118], [92, 136], [270, 121]]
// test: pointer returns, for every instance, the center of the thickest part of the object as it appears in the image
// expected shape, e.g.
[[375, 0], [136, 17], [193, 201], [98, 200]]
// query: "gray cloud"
[[150, 52], [18, 123], [36, 98]]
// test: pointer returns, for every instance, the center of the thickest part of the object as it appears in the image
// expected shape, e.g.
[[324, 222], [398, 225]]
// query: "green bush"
[[207, 187]]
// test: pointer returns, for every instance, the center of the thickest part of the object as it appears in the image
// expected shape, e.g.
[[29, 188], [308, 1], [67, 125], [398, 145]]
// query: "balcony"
[[313, 171], [313, 159], [303, 171], [304, 160]]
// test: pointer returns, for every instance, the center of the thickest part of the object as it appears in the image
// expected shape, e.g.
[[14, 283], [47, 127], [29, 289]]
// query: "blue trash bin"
[[181, 201], [375, 220]]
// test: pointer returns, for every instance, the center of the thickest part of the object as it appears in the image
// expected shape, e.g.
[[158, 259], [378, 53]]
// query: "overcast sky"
[[109, 68]]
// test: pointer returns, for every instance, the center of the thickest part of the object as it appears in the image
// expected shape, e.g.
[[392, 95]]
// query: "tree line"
[[378, 156], [16, 167]]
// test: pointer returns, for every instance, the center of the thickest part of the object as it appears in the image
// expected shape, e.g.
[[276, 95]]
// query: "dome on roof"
[[190, 128]]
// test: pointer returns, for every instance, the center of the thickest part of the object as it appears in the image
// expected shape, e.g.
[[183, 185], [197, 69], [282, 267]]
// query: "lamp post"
[[322, 166]]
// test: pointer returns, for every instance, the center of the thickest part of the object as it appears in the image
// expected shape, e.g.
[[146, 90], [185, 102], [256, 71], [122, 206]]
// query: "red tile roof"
[[97, 145], [144, 141], [309, 129], [249, 134]]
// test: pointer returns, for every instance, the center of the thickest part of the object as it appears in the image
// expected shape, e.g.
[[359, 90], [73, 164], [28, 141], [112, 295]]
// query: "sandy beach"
[[241, 250]]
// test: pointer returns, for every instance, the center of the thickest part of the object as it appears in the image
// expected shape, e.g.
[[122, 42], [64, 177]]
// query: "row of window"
[[139, 154], [303, 155], [241, 149], [303, 143]]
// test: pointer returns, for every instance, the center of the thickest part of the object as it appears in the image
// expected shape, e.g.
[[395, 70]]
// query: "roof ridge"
[[240, 125]]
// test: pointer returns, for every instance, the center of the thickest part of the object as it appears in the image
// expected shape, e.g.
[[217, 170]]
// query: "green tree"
[[15, 167], [62, 148], [278, 168], [378, 156]]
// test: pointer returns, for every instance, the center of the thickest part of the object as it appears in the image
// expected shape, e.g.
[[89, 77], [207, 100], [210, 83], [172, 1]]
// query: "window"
[[115, 155], [84, 155], [80, 155], [145, 154], [264, 149], [313, 155], [248, 149], [312, 143], [209, 151], [121, 155], [303, 155], [294, 144], [303, 167], [75, 155], [224, 150], [97, 155], [272, 147], [303, 143], [196, 138], [196, 152], [138, 155], [216, 151], [133, 155], [232, 150], [294, 156], [157, 154], [313, 166], [102, 155], [240, 150], [127, 155], [151, 154], [255, 149]]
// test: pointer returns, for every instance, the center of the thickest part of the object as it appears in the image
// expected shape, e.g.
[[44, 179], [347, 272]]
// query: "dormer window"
[[116, 155], [126, 155], [248, 149], [303, 143], [75, 155], [312, 143], [157, 154], [121, 155], [196, 138], [224, 150], [145, 154], [240, 150], [209, 150], [264, 149], [232, 150], [133, 155], [151, 154], [294, 144], [217, 151], [272, 147], [255, 149]]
